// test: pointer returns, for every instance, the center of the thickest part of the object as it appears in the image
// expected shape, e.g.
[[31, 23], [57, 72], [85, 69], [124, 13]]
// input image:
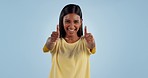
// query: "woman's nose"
[[71, 25]]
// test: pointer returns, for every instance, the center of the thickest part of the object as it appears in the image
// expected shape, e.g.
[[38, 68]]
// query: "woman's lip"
[[71, 29]]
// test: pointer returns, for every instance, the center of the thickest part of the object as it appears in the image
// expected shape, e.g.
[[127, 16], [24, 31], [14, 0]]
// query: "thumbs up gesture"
[[89, 39], [55, 35], [51, 40]]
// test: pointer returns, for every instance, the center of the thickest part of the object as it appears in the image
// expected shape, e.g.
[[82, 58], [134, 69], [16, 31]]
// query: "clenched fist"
[[89, 39], [51, 40], [55, 35]]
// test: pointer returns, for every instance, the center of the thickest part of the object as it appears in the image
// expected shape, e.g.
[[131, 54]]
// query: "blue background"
[[120, 28]]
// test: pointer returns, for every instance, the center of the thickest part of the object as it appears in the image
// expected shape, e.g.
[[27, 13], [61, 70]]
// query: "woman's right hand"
[[55, 35], [51, 40]]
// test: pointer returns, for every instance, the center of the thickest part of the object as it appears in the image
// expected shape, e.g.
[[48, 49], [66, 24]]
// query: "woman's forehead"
[[72, 16]]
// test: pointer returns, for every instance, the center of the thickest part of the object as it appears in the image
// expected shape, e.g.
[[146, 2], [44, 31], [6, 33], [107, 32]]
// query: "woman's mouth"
[[71, 31]]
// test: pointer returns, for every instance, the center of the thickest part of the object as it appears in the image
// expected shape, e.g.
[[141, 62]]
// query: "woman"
[[69, 48]]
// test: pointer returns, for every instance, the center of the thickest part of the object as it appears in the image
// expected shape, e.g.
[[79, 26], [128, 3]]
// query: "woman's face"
[[72, 22]]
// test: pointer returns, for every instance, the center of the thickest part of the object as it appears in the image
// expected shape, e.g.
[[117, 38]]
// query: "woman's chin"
[[71, 34]]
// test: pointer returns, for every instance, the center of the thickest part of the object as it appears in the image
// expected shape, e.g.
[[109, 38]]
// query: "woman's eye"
[[76, 21], [67, 21]]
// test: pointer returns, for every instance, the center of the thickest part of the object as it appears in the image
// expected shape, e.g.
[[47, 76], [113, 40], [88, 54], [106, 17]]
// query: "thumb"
[[58, 30], [85, 30]]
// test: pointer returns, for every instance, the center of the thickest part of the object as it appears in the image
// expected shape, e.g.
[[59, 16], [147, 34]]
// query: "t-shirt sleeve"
[[93, 51], [45, 49], [54, 49]]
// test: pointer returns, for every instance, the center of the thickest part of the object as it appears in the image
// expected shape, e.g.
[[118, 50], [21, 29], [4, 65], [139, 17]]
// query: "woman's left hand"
[[89, 39]]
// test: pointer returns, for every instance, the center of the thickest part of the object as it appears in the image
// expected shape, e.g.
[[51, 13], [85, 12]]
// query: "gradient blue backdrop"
[[120, 28]]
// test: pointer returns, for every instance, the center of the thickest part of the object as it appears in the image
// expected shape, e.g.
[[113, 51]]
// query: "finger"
[[89, 37], [54, 35], [85, 30], [53, 39], [87, 34], [90, 40]]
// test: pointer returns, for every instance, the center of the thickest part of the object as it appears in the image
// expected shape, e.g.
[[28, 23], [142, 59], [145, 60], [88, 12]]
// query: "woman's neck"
[[71, 39]]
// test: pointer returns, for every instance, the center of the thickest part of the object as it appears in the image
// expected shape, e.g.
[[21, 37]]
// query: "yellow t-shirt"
[[70, 60]]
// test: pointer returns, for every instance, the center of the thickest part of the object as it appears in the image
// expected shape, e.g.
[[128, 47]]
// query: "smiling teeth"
[[71, 30]]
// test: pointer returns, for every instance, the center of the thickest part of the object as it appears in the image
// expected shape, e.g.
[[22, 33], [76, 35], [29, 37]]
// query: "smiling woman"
[[72, 23], [69, 48]]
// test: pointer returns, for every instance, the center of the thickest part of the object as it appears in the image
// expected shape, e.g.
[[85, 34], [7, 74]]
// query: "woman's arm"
[[48, 45]]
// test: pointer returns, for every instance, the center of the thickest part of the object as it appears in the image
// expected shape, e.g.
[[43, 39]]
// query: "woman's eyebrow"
[[76, 20], [66, 19]]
